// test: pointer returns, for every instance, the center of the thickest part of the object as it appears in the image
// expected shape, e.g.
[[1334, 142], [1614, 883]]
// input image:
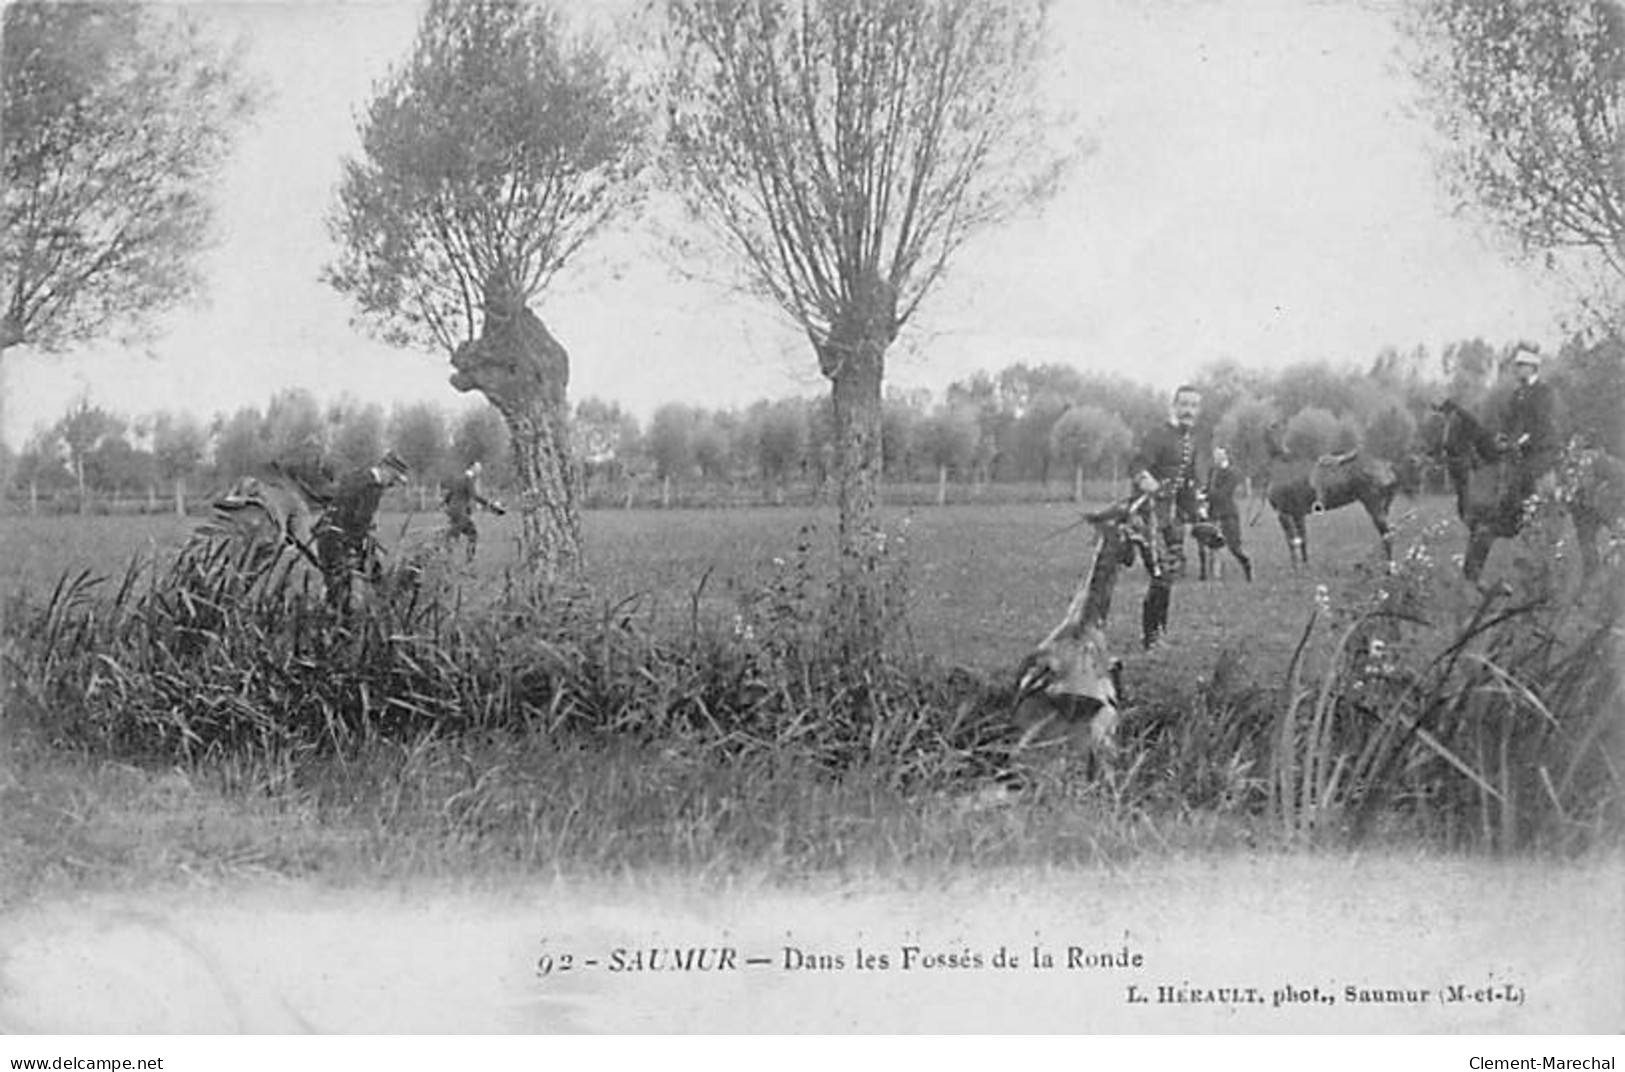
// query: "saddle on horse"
[[1329, 471]]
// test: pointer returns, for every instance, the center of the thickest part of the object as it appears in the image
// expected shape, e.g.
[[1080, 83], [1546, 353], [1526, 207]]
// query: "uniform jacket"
[[1532, 412], [461, 495], [355, 504], [1169, 454]]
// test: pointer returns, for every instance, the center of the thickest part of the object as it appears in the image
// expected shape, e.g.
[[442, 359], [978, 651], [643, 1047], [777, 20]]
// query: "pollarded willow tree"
[[115, 122], [842, 151], [488, 160], [1529, 97]]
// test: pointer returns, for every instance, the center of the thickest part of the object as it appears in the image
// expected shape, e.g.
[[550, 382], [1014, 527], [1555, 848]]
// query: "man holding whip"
[[461, 496]]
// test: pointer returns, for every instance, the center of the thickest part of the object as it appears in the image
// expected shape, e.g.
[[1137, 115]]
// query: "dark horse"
[[1590, 483], [1299, 487]]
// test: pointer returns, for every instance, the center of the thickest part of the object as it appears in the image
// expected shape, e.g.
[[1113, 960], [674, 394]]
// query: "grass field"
[[984, 583], [981, 584]]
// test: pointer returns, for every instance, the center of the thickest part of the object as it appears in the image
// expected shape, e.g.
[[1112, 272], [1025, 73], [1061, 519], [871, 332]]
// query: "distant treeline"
[[1053, 430]]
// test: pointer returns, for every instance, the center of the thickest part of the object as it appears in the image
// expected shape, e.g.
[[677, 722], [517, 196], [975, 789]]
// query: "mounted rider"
[[1529, 434], [1166, 470]]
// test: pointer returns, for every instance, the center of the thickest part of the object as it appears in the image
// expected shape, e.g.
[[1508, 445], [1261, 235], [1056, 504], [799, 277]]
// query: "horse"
[[1590, 484], [1299, 487], [262, 514], [1069, 689]]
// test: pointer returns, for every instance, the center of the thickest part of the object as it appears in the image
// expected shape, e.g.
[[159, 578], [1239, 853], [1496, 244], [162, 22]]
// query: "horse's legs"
[[1292, 527]]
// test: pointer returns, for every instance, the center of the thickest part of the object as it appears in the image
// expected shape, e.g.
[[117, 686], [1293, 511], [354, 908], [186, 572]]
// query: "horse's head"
[[1459, 438]]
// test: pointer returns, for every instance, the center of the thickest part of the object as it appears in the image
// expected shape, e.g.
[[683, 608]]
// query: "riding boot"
[[1154, 615], [1246, 567]]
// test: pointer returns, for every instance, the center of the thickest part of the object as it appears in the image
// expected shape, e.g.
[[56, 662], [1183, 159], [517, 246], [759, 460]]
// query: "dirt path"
[[1530, 947]]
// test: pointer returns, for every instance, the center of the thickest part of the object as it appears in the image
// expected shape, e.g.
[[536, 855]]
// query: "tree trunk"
[[1077, 483], [853, 358], [942, 485], [855, 389], [525, 374], [180, 496]]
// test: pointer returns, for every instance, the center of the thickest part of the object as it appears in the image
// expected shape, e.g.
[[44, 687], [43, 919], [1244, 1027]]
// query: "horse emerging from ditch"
[[261, 515], [1069, 691], [1299, 487], [1590, 484]]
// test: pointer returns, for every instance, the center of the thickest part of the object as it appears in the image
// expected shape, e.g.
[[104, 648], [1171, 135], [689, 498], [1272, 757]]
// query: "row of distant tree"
[[1042, 424], [92, 452]]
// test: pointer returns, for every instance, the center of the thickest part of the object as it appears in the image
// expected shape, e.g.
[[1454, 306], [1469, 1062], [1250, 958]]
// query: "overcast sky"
[[1257, 191]]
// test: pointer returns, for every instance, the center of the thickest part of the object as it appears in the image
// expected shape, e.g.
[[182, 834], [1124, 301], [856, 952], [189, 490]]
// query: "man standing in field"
[[1165, 470], [462, 494], [344, 535], [1223, 511]]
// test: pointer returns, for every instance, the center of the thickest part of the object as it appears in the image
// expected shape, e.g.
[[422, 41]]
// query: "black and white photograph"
[[811, 517]]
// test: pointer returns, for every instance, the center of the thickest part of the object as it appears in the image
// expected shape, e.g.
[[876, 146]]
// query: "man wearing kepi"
[[462, 494], [1530, 430], [344, 536], [1165, 469]]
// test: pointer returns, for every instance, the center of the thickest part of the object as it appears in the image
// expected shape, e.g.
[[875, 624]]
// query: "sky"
[[1257, 189]]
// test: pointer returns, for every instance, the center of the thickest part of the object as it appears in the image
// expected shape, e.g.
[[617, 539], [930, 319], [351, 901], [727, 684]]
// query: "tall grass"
[[498, 720], [214, 655], [1491, 718]]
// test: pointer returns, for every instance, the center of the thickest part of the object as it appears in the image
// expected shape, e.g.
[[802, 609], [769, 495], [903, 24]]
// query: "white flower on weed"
[[779, 562], [1323, 598], [1379, 661]]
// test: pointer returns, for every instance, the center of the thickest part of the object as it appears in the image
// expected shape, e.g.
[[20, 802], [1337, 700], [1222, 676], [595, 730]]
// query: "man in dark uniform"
[[1166, 471], [462, 495], [1223, 511], [1529, 433], [344, 534]]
